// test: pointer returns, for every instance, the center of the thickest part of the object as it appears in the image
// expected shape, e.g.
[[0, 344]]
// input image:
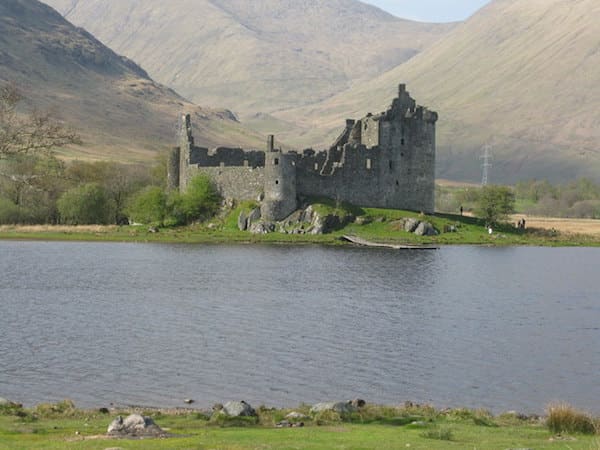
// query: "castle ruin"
[[385, 160]]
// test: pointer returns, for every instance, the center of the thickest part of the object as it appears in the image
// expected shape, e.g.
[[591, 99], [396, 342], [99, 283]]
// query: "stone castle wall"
[[385, 160], [240, 183]]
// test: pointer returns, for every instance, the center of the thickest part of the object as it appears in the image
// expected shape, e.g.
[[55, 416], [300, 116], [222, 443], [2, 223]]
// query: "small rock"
[[152, 230], [254, 216], [242, 222], [358, 403], [239, 409], [103, 411], [283, 424], [425, 229], [338, 407], [411, 224], [307, 215], [262, 228], [189, 401]]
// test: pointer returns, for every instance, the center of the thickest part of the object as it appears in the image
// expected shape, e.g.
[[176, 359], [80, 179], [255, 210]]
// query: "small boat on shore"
[[365, 243]]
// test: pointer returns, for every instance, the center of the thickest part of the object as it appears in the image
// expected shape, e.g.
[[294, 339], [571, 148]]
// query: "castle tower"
[[185, 142], [179, 157], [173, 169], [280, 183]]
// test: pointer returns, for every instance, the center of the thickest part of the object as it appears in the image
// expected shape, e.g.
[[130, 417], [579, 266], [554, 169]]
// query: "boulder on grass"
[[411, 224], [254, 216], [338, 407], [425, 229], [135, 425], [238, 409]]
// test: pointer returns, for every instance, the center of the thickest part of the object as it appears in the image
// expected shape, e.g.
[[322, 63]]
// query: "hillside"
[[520, 74], [254, 56], [118, 110]]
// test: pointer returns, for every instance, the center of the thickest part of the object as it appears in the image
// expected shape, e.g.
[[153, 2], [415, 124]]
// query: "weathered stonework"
[[385, 160]]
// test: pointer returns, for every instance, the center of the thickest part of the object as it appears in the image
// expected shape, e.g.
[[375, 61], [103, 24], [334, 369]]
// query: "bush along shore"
[[347, 424], [320, 222]]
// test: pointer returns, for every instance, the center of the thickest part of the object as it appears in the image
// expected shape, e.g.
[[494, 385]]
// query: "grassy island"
[[62, 426]]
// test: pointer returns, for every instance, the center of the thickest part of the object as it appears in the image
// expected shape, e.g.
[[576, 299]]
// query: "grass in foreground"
[[62, 426]]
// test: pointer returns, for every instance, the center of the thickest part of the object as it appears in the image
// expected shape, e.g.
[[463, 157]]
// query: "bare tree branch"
[[28, 133]]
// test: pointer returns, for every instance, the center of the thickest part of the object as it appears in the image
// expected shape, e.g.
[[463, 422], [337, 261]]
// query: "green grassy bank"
[[62, 426], [378, 225]]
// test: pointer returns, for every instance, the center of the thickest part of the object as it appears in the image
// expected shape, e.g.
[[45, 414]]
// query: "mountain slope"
[[520, 74], [119, 111], [252, 56]]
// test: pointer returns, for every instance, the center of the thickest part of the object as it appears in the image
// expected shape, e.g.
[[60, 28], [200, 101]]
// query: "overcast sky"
[[430, 10]]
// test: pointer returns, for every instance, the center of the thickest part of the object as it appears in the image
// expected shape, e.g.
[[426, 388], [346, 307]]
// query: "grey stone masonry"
[[384, 160]]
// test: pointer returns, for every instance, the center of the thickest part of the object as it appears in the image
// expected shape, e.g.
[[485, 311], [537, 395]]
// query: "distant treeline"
[[577, 199], [41, 189]]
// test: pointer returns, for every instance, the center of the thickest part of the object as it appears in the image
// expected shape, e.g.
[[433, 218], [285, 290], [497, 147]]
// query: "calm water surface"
[[499, 328]]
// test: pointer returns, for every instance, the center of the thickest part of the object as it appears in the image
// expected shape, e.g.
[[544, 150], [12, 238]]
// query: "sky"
[[430, 10]]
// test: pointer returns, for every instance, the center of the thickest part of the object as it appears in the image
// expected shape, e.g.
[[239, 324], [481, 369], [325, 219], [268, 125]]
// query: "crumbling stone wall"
[[385, 160], [240, 183]]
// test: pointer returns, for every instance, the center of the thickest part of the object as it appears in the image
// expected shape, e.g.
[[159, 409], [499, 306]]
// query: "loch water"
[[151, 324]]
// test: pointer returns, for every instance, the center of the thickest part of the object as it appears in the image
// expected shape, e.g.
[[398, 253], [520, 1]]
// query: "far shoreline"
[[201, 234]]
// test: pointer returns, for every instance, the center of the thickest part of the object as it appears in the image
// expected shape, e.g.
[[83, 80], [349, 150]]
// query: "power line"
[[487, 158]]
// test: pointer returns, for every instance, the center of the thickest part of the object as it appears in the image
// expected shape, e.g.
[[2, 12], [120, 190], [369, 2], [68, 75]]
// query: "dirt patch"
[[567, 226], [57, 228]]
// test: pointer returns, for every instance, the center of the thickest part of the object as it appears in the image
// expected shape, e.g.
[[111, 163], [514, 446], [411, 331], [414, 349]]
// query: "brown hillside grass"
[[566, 226], [58, 228]]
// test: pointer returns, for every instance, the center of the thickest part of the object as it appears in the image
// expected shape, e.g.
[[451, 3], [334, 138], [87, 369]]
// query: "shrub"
[[199, 202], [65, 408], [85, 205], [148, 206], [563, 418], [495, 203]]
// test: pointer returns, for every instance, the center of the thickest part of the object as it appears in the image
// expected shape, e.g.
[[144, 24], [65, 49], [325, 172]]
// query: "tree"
[[86, 205], [199, 202], [148, 206], [119, 181], [30, 175], [33, 183], [495, 203], [22, 133]]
